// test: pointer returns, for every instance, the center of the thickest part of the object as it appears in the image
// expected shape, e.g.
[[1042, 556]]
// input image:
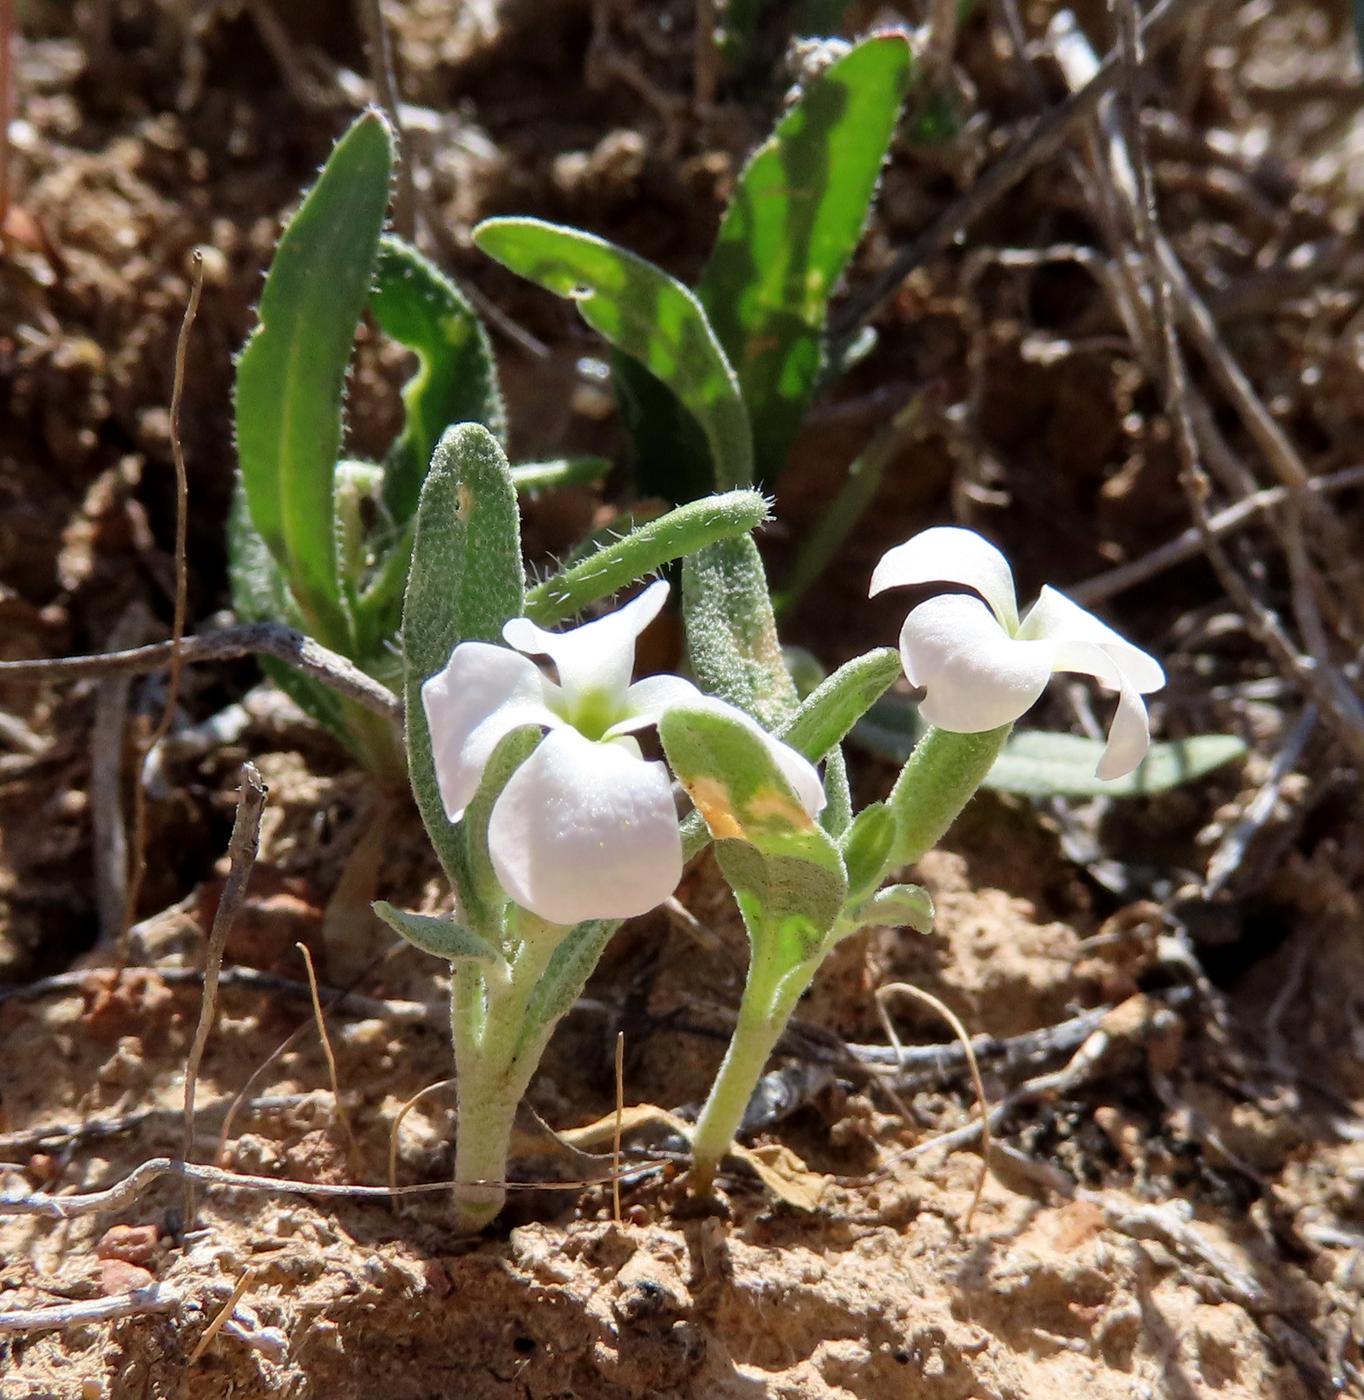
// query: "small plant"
[[523, 732]]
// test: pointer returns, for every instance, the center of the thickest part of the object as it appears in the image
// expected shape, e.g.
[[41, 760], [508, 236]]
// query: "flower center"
[[592, 712]]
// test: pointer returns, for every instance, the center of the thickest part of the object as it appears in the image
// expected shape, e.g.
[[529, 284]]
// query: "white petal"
[[1057, 618], [483, 693], [1129, 736], [796, 768], [976, 677], [648, 700], [949, 554], [586, 830], [599, 656]]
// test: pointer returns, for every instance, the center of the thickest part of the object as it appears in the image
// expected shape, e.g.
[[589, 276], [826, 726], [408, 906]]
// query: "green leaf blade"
[[1036, 763], [456, 380], [731, 632], [466, 580], [831, 710], [643, 312], [441, 937], [290, 381], [797, 214]]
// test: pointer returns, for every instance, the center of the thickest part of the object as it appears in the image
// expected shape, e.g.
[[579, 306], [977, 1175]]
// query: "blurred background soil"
[[1174, 1210]]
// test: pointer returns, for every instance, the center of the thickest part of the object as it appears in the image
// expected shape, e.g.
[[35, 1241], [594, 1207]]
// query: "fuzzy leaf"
[[456, 380], [645, 549], [559, 471], [898, 906], [828, 714], [564, 979], [466, 581], [732, 634], [784, 869], [291, 375], [1038, 763], [441, 937], [866, 848], [796, 216], [643, 312]]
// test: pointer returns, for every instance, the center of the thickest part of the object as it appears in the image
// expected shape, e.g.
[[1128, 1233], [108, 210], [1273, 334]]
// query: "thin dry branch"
[[385, 75], [241, 856], [155, 1298], [1047, 135], [338, 1103], [227, 644]]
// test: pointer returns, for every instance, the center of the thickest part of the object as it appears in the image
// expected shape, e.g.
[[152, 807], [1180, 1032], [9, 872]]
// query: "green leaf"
[[795, 218], [644, 550], [466, 581], [441, 937], [559, 471], [291, 375], [456, 380], [784, 869], [1039, 764], [564, 979], [898, 906], [866, 848], [838, 703], [645, 313], [731, 633]]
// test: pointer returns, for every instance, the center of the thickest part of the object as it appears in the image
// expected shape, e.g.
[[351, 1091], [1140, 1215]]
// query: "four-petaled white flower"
[[587, 827], [981, 666]]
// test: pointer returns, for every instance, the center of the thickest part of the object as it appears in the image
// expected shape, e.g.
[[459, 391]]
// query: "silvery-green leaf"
[[898, 906], [441, 937], [866, 847]]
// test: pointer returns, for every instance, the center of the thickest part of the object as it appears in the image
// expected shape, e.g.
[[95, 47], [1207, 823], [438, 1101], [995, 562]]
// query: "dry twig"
[[241, 855], [227, 644], [352, 1147]]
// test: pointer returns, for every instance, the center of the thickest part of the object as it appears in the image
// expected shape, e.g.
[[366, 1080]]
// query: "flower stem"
[[939, 779], [492, 1076], [770, 995]]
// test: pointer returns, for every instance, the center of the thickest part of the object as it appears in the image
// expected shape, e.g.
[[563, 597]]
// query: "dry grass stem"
[[398, 1123], [352, 1147], [620, 1122], [385, 75], [883, 995], [241, 855], [222, 1315]]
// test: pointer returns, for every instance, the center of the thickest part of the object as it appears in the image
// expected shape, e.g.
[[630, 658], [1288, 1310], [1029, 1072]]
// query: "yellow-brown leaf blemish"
[[464, 503], [771, 805], [712, 801]]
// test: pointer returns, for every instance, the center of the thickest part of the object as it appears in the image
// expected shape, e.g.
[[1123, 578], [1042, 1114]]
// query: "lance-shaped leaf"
[[830, 711], [443, 938], [466, 580], [796, 216], [456, 379], [291, 375], [643, 312], [1038, 763], [784, 869], [484, 893], [866, 847], [563, 981], [732, 634], [645, 549]]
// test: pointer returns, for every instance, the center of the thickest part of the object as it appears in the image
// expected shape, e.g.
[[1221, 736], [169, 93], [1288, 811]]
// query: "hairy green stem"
[[486, 1024], [939, 779], [646, 548], [770, 995]]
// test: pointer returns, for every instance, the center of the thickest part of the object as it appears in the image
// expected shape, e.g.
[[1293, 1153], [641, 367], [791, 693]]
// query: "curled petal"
[[1129, 736], [976, 677], [483, 693], [586, 830], [949, 554], [1054, 617], [599, 656]]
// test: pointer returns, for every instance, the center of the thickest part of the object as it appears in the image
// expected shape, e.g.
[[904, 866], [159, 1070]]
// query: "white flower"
[[982, 667], [586, 828]]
